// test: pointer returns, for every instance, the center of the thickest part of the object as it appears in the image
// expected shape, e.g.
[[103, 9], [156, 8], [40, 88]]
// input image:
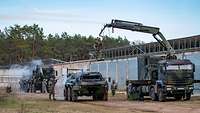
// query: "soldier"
[[98, 46], [44, 85], [113, 87], [33, 85], [29, 86], [52, 83]]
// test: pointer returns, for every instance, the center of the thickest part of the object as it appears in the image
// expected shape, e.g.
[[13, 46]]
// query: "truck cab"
[[175, 77], [160, 78]]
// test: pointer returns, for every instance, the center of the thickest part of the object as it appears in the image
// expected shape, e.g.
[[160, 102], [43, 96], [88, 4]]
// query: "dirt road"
[[37, 103]]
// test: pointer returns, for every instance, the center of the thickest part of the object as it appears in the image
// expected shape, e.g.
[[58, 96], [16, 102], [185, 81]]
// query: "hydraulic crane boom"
[[138, 27]]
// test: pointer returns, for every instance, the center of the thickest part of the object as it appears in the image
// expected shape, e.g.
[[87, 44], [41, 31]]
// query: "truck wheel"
[[65, 94], [161, 96], [188, 96], [141, 95], [94, 97], [100, 97], [97, 97], [74, 96], [178, 97], [69, 94], [152, 94]]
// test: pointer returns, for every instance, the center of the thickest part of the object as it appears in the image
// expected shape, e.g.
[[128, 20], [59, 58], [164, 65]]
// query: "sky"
[[175, 18]]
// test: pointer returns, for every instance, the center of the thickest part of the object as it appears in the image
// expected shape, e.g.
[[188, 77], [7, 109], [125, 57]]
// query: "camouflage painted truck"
[[86, 84], [160, 78], [161, 75]]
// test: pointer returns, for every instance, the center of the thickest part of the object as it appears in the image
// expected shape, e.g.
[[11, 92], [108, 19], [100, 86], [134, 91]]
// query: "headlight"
[[190, 87], [169, 88], [180, 88]]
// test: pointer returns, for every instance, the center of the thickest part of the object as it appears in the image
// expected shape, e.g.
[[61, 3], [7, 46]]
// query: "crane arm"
[[138, 27]]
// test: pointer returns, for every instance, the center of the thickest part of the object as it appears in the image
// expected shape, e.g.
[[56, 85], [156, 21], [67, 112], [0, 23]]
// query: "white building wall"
[[71, 67]]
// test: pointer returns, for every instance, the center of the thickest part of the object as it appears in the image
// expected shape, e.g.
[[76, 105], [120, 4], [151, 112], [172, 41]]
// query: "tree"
[[22, 43]]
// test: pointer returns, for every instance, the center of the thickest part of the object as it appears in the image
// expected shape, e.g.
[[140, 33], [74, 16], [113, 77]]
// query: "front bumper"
[[169, 88], [179, 89], [89, 90]]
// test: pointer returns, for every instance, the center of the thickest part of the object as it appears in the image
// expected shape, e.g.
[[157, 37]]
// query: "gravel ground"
[[39, 103]]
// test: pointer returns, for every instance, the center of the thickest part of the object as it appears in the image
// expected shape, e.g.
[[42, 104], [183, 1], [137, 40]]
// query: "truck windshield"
[[179, 75], [179, 72], [91, 77]]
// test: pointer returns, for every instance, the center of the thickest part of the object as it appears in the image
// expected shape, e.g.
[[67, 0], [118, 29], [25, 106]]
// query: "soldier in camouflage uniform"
[[44, 86], [98, 46], [51, 84], [113, 87]]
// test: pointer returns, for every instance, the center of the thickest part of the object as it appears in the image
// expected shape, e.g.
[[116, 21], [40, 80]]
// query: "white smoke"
[[59, 87], [16, 72], [24, 70]]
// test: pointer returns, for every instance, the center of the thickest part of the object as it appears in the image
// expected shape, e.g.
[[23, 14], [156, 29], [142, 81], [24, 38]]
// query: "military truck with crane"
[[159, 76]]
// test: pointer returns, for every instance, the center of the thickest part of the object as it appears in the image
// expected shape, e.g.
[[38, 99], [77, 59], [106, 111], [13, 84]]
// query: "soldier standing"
[[52, 83], [113, 87], [44, 86], [98, 46]]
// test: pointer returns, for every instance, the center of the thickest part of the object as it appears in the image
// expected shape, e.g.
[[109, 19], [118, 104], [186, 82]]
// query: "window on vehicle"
[[92, 76]]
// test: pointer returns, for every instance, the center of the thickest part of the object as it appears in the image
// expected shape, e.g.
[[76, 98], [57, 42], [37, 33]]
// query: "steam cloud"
[[16, 72]]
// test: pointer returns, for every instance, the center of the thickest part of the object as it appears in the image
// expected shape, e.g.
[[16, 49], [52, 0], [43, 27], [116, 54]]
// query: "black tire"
[[128, 94], [178, 97], [100, 97], [141, 95], [152, 94], [105, 95], [188, 96], [74, 96], [94, 97], [161, 96], [69, 94], [66, 94]]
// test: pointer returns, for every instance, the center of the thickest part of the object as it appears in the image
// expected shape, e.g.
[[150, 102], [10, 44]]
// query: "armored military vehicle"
[[37, 79], [86, 84], [39, 74]]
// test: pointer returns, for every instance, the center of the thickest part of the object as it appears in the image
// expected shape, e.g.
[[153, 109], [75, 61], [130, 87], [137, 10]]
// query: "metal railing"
[[181, 45]]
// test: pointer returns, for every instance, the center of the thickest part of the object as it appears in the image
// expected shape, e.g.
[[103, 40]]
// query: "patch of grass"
[[9, 102]]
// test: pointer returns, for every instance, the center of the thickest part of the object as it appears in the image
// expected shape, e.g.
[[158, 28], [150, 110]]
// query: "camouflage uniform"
[[113, 87], [98, 46], [52, 83], [44, 84]]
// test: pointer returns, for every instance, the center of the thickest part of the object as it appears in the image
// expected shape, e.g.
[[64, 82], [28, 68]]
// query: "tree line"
[[22, 43]]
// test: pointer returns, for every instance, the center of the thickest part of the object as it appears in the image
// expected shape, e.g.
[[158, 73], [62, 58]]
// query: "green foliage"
[[22, 43]]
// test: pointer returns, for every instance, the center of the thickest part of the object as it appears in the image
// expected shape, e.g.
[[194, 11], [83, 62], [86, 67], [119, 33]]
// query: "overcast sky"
[[175, 18]]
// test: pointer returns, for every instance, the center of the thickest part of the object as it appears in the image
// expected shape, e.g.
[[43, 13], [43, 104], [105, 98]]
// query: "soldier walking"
[[113, 87], [52, 83]]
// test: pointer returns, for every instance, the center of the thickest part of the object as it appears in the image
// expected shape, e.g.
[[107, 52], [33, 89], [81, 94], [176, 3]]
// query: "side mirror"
[[109, 79], [193, 67]]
